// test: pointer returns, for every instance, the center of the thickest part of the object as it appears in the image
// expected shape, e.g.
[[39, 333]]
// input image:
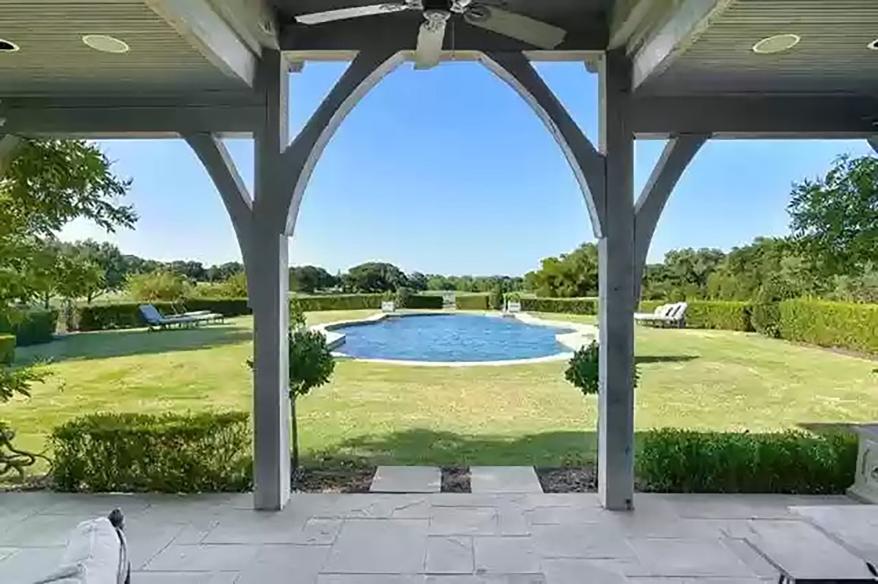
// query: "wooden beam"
[[585, 161], [873, 142], [127, 120], [204, 29], [255, 21], [688, 21], [743, 116]]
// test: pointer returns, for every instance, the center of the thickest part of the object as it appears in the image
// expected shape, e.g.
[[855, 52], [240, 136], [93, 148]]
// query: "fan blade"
[[430, 38], [353, 12], [523, 28]]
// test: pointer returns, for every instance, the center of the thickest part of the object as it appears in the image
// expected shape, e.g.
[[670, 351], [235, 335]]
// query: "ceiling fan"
[[436, 16]]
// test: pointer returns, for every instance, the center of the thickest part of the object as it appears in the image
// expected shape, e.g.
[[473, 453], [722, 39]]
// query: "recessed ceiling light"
[[776, 44], [873, 45], [105, 43], [8, 46]]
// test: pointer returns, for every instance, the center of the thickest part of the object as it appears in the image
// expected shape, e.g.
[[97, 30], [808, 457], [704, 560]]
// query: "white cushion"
[[95, 554]]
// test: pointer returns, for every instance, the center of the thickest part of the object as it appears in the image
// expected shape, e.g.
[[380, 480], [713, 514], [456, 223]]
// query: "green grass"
[[521, 414]]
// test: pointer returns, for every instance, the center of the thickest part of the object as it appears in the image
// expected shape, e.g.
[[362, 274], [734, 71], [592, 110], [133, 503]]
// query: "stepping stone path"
[[504, 479], [406, 479]]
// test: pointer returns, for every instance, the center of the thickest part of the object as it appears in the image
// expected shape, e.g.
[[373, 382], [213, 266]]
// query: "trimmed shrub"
[[471, 301], [424, 302], [122, 315], [225, 306], [830, 324], [687, 461], [495, 297], [341, 302], [7, 349], [169, 453], [568, 305], [31, 327], [766, 306]]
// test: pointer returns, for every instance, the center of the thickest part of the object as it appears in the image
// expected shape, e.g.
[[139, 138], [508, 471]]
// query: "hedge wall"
[[471, 302], [31, 327], [830, 324], [340, 302], [169, 453], [687, 461], [423, 301], [711, 314], [568, 305], [127, 314], [7, 349]]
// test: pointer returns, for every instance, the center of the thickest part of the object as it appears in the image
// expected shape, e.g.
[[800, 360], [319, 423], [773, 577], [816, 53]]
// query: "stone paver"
[[449, 555], [406, 479], [443, 538], [504, 479], [383, 546]]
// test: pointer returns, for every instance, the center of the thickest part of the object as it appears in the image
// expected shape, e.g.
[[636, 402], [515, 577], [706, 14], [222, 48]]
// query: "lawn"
[[522, 414]]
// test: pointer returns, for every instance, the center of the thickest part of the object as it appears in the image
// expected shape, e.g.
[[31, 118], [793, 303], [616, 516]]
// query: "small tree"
[[158, 285], [15, 381], [403, 297], [496, 297], [311, 365]]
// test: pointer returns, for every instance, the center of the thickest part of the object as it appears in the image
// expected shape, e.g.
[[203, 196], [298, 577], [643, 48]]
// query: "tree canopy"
[[834, 218]]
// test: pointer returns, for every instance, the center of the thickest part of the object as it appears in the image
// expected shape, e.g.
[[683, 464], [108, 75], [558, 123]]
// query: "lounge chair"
[[196, 314], [665, 315], [155, 319]]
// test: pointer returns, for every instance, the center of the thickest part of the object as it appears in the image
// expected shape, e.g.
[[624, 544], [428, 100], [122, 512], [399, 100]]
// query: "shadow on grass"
[[103, 344], [664, 358], [421, 446]]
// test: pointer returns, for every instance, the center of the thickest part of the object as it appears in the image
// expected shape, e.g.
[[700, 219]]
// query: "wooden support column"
[[269, 292], [675, 158], [616, 290], [873, 141]]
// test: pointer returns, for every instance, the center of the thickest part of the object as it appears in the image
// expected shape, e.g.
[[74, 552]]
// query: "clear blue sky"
[[449, 171]]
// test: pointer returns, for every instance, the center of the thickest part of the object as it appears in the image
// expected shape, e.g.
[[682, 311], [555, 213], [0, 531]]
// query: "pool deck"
[[447, 538], [579, 335]]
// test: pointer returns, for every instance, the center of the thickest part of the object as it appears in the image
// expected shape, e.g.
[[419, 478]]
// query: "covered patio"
[[453, 538], [684, 71]]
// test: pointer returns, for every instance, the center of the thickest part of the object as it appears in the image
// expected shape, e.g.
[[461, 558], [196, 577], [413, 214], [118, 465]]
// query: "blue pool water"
[[459, 337]]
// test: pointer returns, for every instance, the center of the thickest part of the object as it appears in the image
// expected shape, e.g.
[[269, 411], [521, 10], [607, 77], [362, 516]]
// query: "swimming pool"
[[450, 338]]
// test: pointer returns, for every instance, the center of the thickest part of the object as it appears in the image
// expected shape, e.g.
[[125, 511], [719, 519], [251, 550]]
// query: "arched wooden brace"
[[301, 156], [873, 141], [215, 158], [588, 165], [675, 158]]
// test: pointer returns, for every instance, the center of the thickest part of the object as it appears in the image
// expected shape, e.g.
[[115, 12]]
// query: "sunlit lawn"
[[525, 414]]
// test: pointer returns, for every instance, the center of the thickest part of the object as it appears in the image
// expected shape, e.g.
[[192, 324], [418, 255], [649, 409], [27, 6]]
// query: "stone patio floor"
[[434, 538]]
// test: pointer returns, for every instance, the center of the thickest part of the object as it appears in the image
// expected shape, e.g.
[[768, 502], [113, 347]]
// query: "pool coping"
[[580, 334]]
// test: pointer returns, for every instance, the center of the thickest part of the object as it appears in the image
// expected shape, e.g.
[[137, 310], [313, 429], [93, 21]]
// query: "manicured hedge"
[[127, 314], [686, 461], [712, 314], [568, 305], [7, 349], [169, 453], [830, 324], [340, 302], [424, 302], [471, 302], [31, 327]]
